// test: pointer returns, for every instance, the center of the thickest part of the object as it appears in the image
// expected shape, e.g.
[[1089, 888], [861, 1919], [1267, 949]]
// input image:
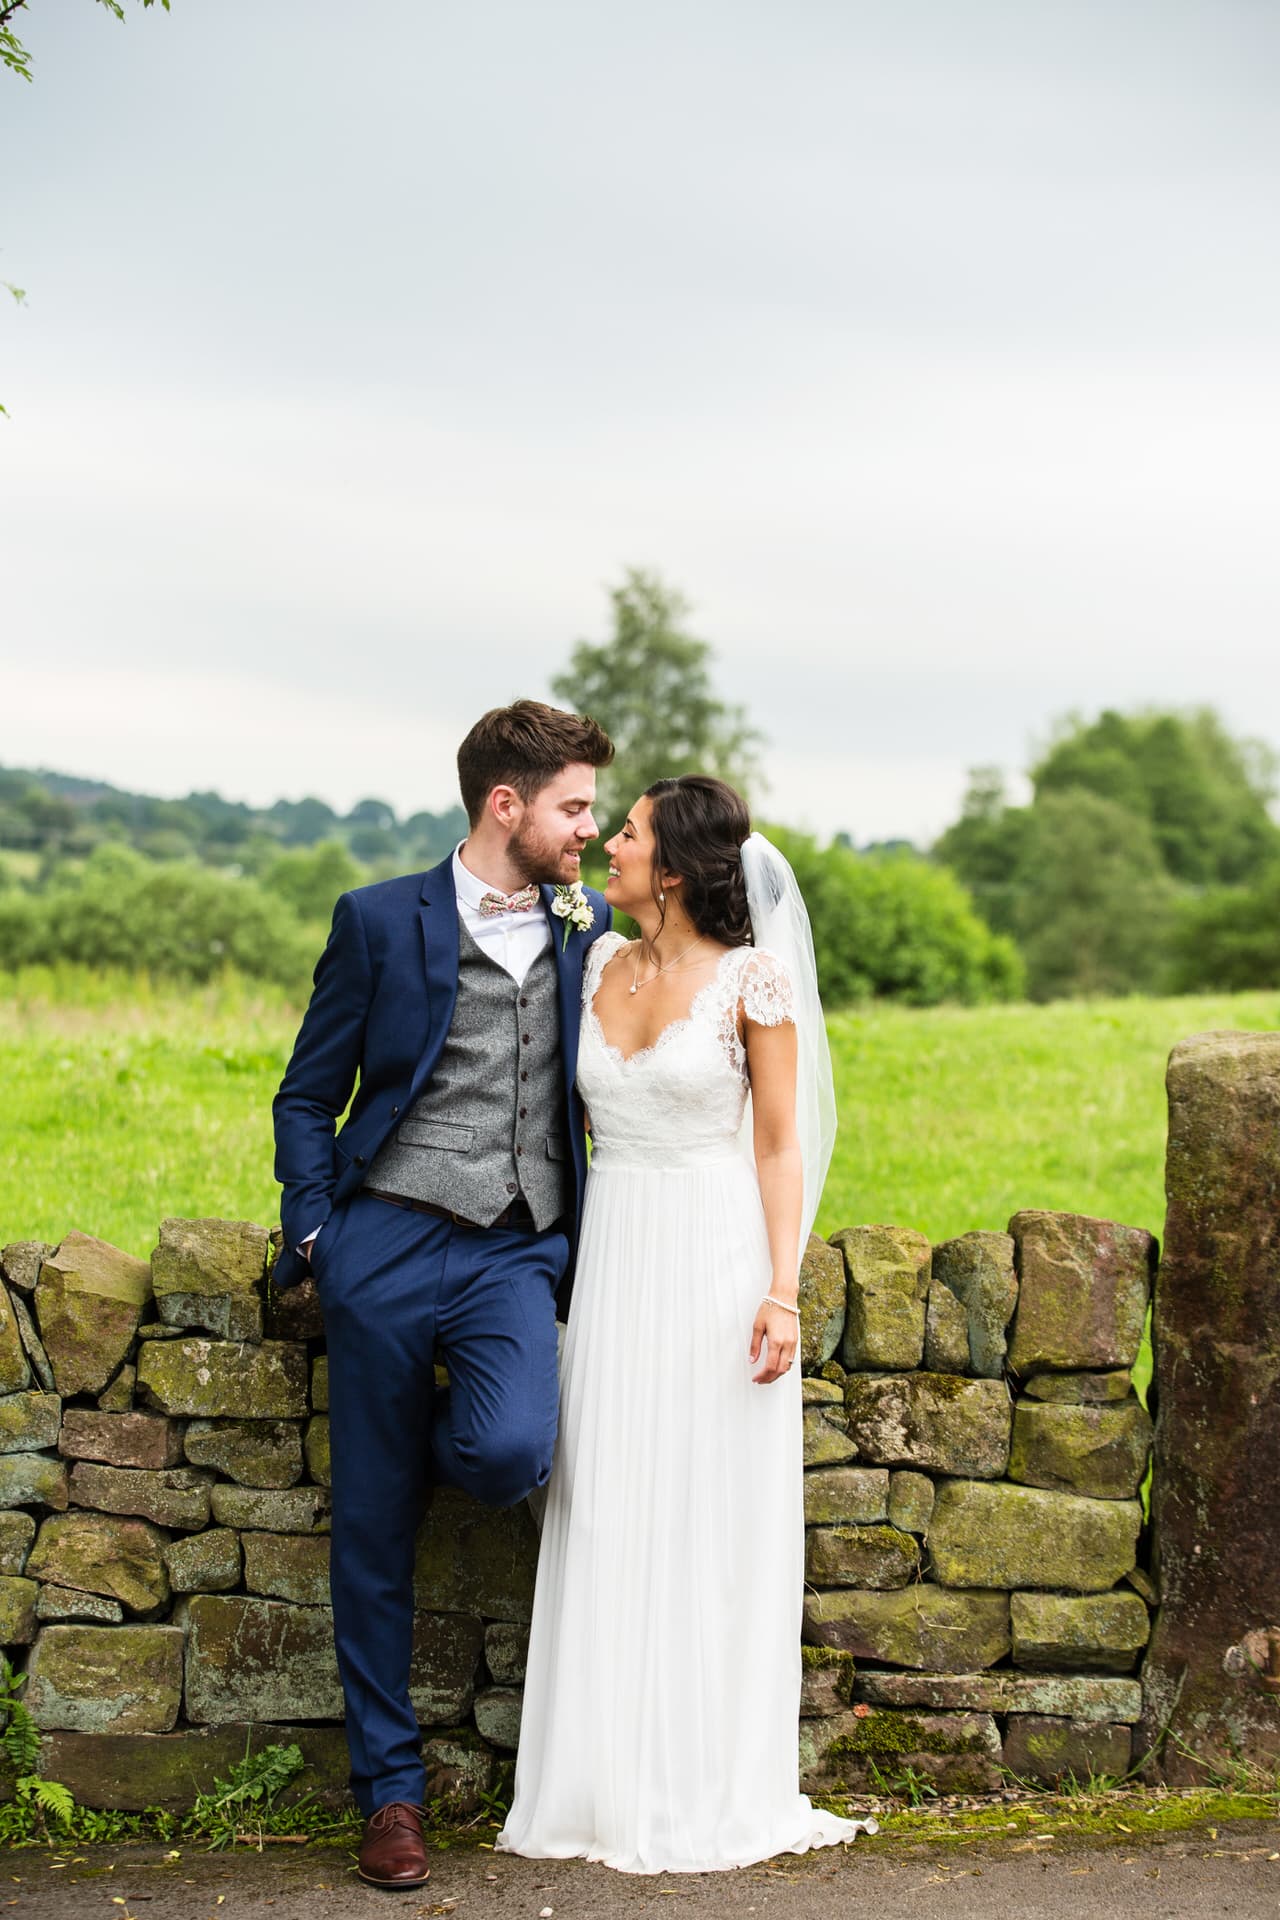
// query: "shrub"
[[894, 925]]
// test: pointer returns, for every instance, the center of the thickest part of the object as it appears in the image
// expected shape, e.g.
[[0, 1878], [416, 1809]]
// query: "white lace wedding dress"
[[663, 1687]]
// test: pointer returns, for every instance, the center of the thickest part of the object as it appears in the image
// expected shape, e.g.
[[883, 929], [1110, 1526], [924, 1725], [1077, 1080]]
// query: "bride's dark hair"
[[699, 824]]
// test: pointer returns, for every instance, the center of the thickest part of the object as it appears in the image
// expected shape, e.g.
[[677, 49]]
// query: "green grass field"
[[124, 1102]]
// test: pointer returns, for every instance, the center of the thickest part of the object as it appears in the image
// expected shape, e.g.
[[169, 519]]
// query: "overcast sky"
[[929, 346]]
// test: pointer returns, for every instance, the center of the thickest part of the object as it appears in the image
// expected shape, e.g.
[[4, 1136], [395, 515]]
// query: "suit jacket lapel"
[[569, 977], [438, 912]]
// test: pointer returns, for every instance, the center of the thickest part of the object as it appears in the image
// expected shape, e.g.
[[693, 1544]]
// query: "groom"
[[440, 1223]]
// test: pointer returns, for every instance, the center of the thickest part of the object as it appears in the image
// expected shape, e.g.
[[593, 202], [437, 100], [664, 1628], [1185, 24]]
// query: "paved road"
[[1192, 1874]]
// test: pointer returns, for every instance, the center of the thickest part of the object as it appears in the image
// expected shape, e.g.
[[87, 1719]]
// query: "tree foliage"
[[12, 52], [897, 926], [1141, 862], [649, 686]]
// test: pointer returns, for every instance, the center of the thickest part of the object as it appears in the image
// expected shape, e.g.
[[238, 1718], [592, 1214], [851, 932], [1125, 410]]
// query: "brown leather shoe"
[[392, 1853]]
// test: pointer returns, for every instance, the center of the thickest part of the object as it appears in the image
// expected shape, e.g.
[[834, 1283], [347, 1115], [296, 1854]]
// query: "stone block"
[[874, 1556], [261, 1660], [1079, 1389], [146, 1440], [474, 1559], [254, 1453], [1216, 1336], [911, 1497], [106, 1679], [1075, 1696], [288, 1566], [1083, 1288], [460, 1767], [946, 1332], [886, 1286], [506, 1652], [316, 1446], [15, 1371], [1079, 1633], [817, 1391], [444, 1666], [1005, 1536], [128, 1772], [497, 1714], [89, 1303], [978, 1269], [122, 1558], [204, 1562], [209, 1379], [32, 1480], [295, 1313], [32, 1345], [826, 1437], [67, 1603], [117, 1395], [934, 1628], [858, 1752], [287, 1510], [821, 1303], [172, 1497], [17, 1531], [845, 1496], [933, 1420], [17, 1610], [209, 1273], [21, 1262], [320, 1382], [29, 1421], [1039, 1747], [826, 1681], [1101, 1451]]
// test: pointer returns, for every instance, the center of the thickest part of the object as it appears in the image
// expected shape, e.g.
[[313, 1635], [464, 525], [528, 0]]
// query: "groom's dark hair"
[[525, 746]]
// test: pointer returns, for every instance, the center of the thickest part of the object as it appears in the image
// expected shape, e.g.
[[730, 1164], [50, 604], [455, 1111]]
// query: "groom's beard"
[[542, 861]]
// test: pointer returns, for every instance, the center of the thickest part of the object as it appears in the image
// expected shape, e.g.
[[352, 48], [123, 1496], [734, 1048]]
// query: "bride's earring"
[[661, 897]]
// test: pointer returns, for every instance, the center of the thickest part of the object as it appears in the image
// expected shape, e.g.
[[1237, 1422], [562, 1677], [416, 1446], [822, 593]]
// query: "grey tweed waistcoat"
[[491, 1121]]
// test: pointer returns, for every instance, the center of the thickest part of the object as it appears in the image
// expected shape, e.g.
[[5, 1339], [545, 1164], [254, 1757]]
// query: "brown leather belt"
[[515, 1214]]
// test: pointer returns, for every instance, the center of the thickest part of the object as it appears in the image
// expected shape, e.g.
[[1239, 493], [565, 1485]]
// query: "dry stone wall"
[[974, 1454], [973, 1457]]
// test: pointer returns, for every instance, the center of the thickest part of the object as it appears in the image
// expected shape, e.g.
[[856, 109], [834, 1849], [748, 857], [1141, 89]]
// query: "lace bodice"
[[681, 1100]]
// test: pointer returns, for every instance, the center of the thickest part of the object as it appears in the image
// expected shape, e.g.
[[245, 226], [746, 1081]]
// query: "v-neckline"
[[672, 1026]]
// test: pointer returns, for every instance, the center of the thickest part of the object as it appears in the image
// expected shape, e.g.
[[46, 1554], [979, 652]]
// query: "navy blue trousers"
[[399, 1291]]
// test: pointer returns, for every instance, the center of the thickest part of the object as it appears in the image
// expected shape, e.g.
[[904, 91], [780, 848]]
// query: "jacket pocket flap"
[[555, 1146], [440, 1134]]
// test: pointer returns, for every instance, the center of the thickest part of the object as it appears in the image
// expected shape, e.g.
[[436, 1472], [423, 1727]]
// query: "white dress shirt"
[[514, 940]]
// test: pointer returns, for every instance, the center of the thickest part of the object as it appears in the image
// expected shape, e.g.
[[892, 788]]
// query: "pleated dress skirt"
[[662, 1696]]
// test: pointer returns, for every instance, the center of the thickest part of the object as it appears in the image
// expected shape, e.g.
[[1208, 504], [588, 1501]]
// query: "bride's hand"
[[780, 1331]]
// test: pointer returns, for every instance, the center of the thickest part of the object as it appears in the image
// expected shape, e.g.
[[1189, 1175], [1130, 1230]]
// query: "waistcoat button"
[[359, 1159], [519, 1149]]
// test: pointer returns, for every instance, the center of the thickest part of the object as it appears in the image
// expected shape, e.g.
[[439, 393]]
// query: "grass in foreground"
[[125, 1101]]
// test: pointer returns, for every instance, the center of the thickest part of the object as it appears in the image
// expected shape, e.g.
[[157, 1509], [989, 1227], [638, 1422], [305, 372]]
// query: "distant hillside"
[[59, 816]]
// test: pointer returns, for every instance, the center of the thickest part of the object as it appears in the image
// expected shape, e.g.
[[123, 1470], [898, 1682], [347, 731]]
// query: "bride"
[[662, 1694]]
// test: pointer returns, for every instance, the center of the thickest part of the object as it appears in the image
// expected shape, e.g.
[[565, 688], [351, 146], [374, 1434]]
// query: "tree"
[[18, 60], [1094, 905], [12, 52], [986, 845], [1205, 794], [649, 686]]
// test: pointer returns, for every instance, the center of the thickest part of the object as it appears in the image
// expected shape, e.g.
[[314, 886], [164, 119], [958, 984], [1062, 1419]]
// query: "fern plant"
[[19, 1734]]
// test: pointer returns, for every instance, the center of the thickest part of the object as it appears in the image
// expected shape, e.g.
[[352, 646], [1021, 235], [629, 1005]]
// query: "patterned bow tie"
[[521, 902]]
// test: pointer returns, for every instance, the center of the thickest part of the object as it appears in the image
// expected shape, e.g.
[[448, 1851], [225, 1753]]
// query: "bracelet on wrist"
[[788, 1306]]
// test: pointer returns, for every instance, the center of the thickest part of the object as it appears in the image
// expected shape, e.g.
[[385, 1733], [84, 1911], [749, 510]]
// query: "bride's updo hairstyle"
[[699, 824]]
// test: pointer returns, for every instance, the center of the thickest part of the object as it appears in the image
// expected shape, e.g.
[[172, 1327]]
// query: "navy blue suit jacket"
[[384, 994]]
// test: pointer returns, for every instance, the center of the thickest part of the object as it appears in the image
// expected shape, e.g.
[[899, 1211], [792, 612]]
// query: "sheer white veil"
[[780, 923]]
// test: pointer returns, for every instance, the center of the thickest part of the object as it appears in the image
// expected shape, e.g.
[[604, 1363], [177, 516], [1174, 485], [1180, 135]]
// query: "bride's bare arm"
[[771, 1064]]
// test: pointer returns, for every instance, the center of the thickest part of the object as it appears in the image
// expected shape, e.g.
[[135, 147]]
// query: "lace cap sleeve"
[[765, 989], [599, 952]]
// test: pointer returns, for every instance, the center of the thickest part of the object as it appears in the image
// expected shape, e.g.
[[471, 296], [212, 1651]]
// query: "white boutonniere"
[[573, 907]]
